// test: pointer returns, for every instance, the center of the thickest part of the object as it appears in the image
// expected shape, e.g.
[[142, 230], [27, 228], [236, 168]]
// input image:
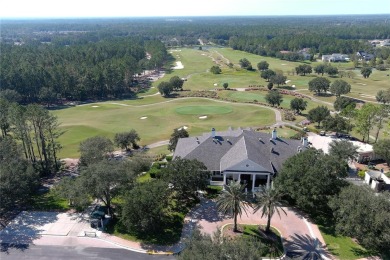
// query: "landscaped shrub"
[[160, 157], [213, 191], [295, 128], [313, 129], [155, 173], [298, 136], [169, 158], [289, 115], [361, 174]]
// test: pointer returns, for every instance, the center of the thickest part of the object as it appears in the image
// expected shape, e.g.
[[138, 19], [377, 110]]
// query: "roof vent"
[[304, 141], [270, 139], [213, 132], [298, 148], [259, 139], [272, 149]]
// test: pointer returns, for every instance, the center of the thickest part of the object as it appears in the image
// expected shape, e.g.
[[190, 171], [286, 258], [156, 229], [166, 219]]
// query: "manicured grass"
[[159, 150], [250, 96], [203, 110], [282, 132], [48, 201], [81, 122], [343, 247]]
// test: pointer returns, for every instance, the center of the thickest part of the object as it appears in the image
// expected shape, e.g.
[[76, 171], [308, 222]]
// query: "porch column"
[[224, 180], [239, 177], [268, 180], [253, 182]]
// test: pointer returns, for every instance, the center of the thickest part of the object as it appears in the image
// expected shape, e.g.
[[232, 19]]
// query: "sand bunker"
[[202, 117], [183, 127], [283, 64], [287, 81], [178, 66], [144, 117], [95, 106]]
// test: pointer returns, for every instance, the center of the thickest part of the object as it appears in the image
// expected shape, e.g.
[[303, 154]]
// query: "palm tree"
[[232, 199], [269, 203]]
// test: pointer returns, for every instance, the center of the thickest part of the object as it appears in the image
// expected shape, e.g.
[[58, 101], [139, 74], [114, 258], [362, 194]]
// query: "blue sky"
[[137, 8]]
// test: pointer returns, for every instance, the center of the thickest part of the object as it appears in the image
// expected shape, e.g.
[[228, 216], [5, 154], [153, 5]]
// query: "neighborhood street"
[[34, 252]]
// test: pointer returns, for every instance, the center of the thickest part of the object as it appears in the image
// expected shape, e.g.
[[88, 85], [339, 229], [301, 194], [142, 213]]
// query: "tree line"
[[28, 150], [48, 73]]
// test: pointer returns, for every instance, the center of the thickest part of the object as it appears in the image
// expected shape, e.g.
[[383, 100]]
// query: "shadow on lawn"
[[305, 247]]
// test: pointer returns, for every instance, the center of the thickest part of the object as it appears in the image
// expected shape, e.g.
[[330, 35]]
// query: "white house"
[[365, 151]]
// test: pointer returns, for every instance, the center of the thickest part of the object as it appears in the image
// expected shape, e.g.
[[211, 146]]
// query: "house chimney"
[[274, 134], [213, 132], [304, 142]]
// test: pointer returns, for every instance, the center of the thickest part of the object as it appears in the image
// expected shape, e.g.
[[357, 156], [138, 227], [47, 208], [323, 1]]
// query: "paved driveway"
[[297, 231]]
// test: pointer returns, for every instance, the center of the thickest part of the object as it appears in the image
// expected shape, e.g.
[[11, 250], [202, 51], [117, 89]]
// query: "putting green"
[[203, 110]]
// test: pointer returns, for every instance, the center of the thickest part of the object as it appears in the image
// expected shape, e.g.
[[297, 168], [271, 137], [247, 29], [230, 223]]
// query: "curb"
[[120, 245], [143, 251]]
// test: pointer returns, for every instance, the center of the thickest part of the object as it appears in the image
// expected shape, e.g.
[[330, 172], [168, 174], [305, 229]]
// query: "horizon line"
[[189, 16]]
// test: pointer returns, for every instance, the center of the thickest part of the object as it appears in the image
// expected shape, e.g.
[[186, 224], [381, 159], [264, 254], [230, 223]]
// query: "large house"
[[364, 56], [244, 155], [335, 57]]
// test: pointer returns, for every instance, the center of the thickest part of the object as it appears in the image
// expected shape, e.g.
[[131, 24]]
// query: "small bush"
[[155, 173], [298, 136], [169, 158], [361, 174], [289, 115], [213, 191]]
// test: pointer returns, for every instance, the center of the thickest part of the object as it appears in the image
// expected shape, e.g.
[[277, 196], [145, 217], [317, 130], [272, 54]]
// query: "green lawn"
[[343, 247], [282, 132], [165, 114], [203, 110], [106, 119], [268, 248], [48, 201], [259, 95]]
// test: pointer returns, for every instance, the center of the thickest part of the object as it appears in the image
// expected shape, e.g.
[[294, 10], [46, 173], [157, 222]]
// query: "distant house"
[[365, 151], [364, 56], [305, 53], [250, 157], [285, 52], [335, 57]]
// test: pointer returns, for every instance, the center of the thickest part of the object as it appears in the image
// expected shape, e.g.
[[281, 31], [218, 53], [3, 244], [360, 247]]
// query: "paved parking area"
[[30, 225]]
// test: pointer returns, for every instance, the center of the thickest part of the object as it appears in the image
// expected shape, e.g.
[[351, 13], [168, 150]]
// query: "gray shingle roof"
[[233, 146]]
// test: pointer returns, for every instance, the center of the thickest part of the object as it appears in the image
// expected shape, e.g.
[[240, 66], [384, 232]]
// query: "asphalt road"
[[32, 252]]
